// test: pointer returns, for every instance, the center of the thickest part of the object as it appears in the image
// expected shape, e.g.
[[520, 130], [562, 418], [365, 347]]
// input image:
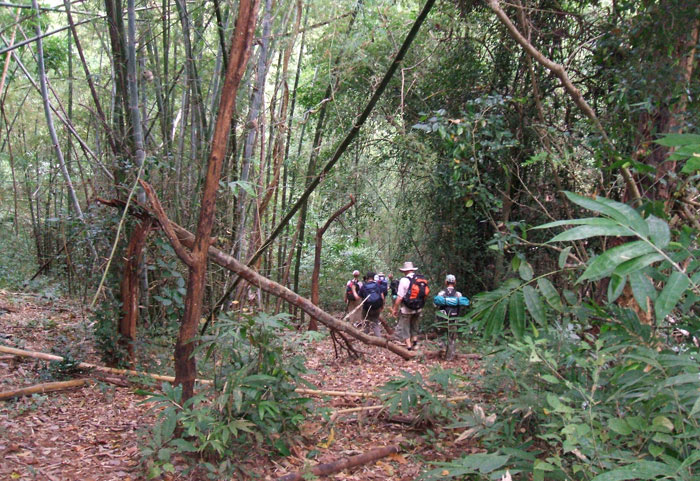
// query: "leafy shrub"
[[252, 403], [107, 338], [428, 400], [620, 403], [610, 408]]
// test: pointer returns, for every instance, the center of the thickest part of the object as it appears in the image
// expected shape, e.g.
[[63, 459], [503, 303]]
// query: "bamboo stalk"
[[85, 365], [42, 388]]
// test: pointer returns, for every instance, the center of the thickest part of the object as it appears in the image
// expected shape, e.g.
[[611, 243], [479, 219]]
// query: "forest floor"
[[92, 433]]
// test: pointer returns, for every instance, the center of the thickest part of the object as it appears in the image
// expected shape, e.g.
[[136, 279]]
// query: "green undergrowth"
[[251, 407]]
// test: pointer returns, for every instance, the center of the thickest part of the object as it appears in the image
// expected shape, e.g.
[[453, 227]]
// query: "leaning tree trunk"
[[315, 298], [196, 260]]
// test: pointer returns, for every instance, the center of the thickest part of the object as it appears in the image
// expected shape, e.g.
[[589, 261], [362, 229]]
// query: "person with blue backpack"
[[372, 294], [449, 302]]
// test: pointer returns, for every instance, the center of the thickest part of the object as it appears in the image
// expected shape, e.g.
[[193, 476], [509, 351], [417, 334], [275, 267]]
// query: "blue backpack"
[[450, 303], [373, 292]]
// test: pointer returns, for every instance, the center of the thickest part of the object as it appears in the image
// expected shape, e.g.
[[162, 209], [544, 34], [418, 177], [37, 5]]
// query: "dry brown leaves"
[[91, 433]]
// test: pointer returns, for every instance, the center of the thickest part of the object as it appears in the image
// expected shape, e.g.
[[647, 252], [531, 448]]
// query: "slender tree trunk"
[[185, 366], [130, 286], [254, 126], [52, 130], [315, 298]]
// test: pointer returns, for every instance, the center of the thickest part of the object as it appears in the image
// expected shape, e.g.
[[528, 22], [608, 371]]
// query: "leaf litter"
[[92, 433]]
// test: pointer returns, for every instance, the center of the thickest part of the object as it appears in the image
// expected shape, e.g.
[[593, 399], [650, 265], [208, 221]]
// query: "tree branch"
[[559, 71], [165, 223]]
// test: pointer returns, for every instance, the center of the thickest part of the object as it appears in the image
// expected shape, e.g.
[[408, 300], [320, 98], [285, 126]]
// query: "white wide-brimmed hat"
[[408, 266]]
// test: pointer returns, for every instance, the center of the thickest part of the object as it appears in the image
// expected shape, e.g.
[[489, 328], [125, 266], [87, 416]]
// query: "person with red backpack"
[[352, 296], [411, 294]]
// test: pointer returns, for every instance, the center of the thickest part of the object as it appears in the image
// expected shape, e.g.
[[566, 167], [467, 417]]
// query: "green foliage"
[[618, 403], [411, 394], [594, 408], [16, 263], [106, 333], [673, 265], [252, 403]]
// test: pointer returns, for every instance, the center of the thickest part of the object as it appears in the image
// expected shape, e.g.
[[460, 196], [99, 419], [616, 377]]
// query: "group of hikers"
[[365, 299]]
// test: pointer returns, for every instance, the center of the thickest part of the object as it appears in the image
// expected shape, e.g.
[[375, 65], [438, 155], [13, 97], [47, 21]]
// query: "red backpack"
[[417, 291]]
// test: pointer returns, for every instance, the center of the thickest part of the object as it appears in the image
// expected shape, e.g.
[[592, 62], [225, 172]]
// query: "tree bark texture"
[[243, 36], [130, 285], [344, 463]]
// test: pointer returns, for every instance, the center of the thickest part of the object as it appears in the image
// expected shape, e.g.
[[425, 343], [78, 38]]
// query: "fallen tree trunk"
[[343, 463], [267, 285], [85, 365], [226, 261], [42, 388]]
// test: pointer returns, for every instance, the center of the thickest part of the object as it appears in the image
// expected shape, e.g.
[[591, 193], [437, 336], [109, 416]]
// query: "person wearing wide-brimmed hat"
[[407, 328]]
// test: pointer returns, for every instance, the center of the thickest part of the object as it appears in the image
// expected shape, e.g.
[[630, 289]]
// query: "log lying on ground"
[[224, 260], [85, 365], [42, 388], [229, 262], [344, 463]]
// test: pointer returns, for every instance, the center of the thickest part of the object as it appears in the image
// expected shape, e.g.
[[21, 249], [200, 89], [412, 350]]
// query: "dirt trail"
[[92, 433]]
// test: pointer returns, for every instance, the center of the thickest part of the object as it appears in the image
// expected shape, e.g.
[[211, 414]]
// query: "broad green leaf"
[[620, 426], [550, 294], [534, 304], [693, 164], [596, 206], [588, 231], [642, 289], [516, 314], [696, 407], [630, 215], [691, 378], [615, 287], [525, 271], [598, 221], [676, 140], [638, 263], [515, 263], [690, 460], [672, 292], [563, 257], [550, 379], [605, 264], [570, 297], [663, 422], [659, 233], [622, 213], [494, 324], [640, 470]]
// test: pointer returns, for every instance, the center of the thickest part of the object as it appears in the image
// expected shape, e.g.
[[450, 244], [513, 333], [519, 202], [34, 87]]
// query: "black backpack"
[[450, 310], [417, 291], [373, 294]]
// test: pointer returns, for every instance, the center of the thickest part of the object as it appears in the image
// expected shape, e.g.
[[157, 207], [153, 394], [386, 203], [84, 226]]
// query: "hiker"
[[393, 285], [383, 283], [352, 296], [373, 296], [449, 301], [410, 297]]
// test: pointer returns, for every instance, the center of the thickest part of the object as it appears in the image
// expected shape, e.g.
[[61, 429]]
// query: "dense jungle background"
[[186, 188]]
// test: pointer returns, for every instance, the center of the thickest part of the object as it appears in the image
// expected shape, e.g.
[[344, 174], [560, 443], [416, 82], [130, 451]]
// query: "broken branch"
[[344, 463], [42, 388]]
